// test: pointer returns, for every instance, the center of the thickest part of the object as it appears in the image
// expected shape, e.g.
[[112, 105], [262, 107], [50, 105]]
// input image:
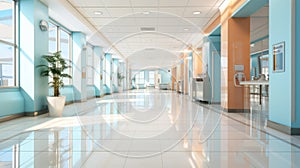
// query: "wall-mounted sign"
[[278, 57]]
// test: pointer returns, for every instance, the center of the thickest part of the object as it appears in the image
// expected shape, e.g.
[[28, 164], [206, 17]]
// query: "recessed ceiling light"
[[98, 13], [196, 12], [146, 12], [185, 29]]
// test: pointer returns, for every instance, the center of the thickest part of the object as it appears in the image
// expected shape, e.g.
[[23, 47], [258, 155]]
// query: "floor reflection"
[[159, 129]]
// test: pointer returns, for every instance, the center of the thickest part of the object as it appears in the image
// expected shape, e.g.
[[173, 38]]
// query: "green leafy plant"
[[120, 78], [55, 70]]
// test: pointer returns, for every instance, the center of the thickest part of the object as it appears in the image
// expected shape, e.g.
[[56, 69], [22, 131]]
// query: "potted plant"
[[120, 78], [55, 70]]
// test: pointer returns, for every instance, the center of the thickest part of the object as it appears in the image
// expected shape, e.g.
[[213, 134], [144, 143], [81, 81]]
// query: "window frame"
[[153, 79], [14, 44], [60, 28], [139, 78]]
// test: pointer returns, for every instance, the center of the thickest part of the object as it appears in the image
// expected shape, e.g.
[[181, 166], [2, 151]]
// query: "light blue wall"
[[297, 84], [67, 91], [102, 74], [11, 102], [108, 85], [97, 70], [250, 7], [165, 76], [115, 65], [146, 75], [79, 65], [214, 66], [33, 44], [280, 83], [90, 91]]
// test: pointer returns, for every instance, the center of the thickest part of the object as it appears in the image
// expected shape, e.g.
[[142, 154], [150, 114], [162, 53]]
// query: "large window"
[[89, 65], [140, 77], [60, 40], [151, 77], [7, 43]]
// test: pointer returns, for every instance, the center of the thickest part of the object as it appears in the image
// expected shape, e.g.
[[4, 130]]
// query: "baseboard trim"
[[11, 117], [36, 113], [283, 128], [236, 110]]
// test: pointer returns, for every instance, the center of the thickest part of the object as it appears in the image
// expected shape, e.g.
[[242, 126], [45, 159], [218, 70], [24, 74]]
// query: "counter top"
[[255, 82]]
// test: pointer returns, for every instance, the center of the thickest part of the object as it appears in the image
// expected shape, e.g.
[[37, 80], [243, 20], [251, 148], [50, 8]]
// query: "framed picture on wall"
[[278, 57]]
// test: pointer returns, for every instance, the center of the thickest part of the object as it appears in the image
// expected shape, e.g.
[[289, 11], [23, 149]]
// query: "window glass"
[[52, 38], [7, 20], [140, 77], [65, 51], [7, 44], [151, 77], [60, 40], [107, 72]]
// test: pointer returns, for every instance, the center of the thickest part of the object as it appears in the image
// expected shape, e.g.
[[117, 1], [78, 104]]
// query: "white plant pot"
[[56, 105]]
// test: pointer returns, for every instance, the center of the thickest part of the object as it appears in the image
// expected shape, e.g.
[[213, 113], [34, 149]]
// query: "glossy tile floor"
[[146, 128]]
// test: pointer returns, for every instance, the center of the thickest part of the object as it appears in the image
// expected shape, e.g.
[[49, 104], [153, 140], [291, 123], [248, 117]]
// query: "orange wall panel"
[[235, 43], [197, 62]]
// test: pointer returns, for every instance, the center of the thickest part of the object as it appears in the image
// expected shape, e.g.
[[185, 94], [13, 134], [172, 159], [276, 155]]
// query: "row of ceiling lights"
[[145, 12]]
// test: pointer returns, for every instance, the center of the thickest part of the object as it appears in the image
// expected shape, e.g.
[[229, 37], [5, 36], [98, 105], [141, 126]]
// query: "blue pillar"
[[107, 73], [284, 112], [33, 45], [122, 70], [97, 69], [296, 124], [115, 74], [79, 65], [211, 52]]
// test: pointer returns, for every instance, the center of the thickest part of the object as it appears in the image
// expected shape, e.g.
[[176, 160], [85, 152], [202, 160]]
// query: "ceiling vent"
[[147, 28]]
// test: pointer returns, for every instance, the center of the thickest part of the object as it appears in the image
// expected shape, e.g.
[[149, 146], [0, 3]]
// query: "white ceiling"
[[118, 29], [176, 27]]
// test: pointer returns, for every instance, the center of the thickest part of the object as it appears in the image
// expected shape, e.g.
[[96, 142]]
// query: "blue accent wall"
[[297, 60], [107, 73], [11, 102], [214, 66], [33, 44], [79, 65], [250, 7], [90, 91], [280, 102], [97, 70], [165, 76]]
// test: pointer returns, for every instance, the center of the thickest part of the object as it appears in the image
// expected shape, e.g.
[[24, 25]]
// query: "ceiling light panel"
[[90, 12], [190, 11], [138, 12]]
